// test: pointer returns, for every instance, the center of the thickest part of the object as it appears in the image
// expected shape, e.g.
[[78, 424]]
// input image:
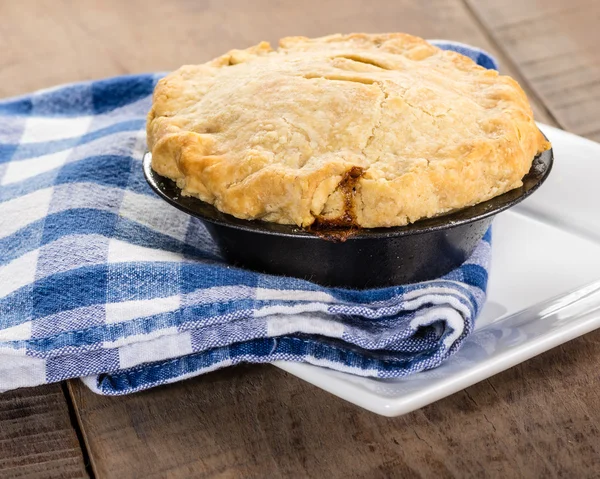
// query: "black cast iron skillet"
[[369, 258]]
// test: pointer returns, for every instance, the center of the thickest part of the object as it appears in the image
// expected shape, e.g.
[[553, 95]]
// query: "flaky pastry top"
[[351, 130]]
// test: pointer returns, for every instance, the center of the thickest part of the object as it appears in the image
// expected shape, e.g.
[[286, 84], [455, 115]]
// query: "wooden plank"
[[261, 422], [555, 46], [37, 439], [87, 40], [538, 419]]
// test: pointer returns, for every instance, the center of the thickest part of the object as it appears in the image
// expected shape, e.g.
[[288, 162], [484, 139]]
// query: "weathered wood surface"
[[555, 45], [47, 42], [37, 439], [539, 419]]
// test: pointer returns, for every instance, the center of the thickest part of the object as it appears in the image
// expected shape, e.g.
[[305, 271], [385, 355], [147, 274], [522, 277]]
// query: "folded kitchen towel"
[[101, 279]]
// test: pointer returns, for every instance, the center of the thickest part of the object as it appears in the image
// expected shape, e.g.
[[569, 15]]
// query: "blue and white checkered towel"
[[101, 279]]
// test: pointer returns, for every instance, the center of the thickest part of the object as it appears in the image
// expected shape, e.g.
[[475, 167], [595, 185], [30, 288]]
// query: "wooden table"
[[539, 419]]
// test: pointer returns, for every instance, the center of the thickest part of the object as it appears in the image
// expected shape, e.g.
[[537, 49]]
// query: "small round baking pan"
[[368, 258]]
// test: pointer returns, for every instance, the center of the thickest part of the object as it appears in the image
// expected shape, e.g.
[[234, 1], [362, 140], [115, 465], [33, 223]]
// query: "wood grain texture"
[[37, 439], [539, 419], [47, 42], [555, 44]]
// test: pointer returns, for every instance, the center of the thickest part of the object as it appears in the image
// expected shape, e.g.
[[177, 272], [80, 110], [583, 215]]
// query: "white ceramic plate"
[[546, 252]]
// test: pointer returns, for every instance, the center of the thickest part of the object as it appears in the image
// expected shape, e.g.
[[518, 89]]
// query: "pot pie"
[[349, 130]]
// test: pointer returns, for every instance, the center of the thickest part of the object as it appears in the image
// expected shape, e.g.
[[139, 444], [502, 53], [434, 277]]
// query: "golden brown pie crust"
[[279, 135]]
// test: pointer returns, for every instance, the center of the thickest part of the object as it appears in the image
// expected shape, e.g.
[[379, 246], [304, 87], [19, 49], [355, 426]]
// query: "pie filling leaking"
[[341, 228]]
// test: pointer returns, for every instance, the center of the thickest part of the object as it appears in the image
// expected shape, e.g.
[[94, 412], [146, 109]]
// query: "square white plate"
[[542, 249]]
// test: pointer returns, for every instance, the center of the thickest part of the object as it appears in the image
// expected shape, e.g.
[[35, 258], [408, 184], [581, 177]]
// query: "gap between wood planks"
[[554, 44], [37, 438], [68, 387], [76, 424], [546, 116], [534, 98]]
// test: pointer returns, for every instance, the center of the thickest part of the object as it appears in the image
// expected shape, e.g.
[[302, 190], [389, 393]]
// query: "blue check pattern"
[[101, 279]]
